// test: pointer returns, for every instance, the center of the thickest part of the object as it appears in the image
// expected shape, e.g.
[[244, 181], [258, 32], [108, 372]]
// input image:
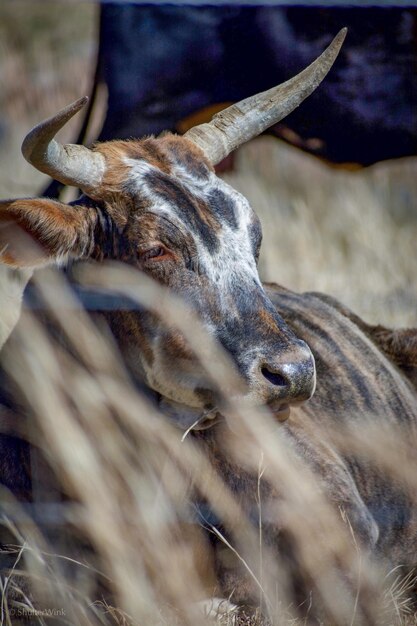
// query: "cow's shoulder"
[[362, 381], [360, 367], [399, 345]]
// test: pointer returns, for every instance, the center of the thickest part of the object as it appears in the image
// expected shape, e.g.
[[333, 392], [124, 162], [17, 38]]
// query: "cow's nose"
[[291, 377], [275, 377]]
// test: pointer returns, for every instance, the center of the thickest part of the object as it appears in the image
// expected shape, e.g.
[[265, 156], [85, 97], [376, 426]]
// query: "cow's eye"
[[156, 253]]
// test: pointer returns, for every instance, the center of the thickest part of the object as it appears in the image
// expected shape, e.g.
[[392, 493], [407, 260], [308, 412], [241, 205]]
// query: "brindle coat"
[[161, 209], [363, 372]]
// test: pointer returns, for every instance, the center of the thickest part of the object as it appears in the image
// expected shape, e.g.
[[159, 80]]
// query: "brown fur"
[[34, 230], [187, 154], [268, 321], [115, 151], [156, 152], [399, 345]]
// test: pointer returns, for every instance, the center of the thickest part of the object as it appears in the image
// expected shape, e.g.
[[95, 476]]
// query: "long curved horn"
[[70, 164], [240, 122]]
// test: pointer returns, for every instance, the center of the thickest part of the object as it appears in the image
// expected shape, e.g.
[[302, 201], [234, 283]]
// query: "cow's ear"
[[36, 232]]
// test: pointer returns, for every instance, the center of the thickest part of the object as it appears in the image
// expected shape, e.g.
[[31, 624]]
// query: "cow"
[[157, 205]]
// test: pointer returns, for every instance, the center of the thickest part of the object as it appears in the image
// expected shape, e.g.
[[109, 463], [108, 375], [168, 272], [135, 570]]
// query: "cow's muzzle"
[[286, 378]]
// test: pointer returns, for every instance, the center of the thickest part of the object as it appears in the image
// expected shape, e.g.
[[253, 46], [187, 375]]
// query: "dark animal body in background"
[[161, 64]]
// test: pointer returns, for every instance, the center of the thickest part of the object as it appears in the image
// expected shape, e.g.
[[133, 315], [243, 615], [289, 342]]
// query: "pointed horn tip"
[[77, 105], [205, 136], [58, 119], [333, 49], [340, 37]]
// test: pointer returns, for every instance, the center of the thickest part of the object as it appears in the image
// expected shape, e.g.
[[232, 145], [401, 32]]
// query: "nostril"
[[274, 377]]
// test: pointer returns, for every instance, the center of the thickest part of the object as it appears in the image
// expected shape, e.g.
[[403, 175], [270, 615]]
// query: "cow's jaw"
[[189, 418]]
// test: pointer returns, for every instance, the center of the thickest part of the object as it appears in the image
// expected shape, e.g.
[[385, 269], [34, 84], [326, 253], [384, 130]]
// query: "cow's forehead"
[[219, 218], [223, 201]]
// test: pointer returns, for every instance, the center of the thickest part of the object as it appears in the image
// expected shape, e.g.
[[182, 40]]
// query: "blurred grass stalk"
[[128, 476], [133, 480]]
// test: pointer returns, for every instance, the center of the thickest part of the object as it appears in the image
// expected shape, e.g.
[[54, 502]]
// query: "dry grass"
[[126, 534], [351, 234], [126, 552], [47, 59]]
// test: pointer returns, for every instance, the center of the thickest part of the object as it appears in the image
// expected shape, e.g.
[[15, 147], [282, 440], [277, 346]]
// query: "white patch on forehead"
[[139, 170], [196, 185], [233, 261]]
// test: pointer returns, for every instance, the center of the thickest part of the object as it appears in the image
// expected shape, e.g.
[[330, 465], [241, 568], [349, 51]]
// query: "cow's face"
[[195, 234], [163, 210]]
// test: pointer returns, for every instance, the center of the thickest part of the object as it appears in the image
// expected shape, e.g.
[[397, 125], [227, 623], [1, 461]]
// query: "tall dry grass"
[[351, 234], [123, 546], [47, 59]]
